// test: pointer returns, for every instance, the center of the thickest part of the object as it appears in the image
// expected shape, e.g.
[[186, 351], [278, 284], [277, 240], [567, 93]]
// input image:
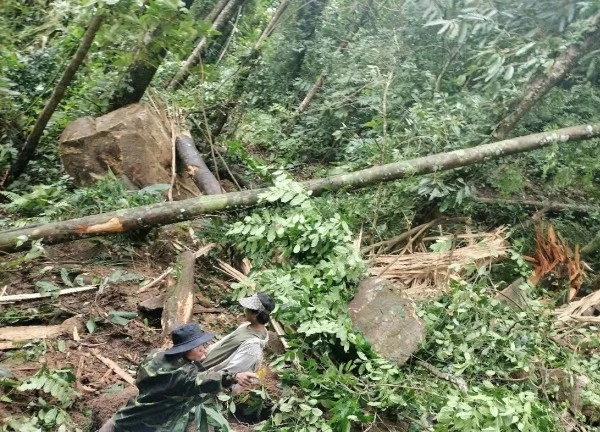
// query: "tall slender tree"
[[33, 138], [224, 15], [141, 71]]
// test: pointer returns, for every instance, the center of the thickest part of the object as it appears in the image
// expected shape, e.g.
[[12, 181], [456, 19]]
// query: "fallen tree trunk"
[[548, 205], [195, 166], [179, 299], [32, 140], [171, 212]]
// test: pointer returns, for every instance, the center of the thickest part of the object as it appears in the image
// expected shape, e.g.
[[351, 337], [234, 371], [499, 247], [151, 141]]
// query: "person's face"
[[196, 354], [250, 315]]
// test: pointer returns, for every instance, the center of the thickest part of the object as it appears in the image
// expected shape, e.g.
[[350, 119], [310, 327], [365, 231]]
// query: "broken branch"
[[22, 297], [115, 367]]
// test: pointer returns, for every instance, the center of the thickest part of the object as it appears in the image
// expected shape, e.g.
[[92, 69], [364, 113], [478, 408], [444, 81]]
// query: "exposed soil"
[[100, 390]]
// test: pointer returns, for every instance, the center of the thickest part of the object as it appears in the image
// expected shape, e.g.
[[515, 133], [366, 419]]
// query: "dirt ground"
[[100, 390]]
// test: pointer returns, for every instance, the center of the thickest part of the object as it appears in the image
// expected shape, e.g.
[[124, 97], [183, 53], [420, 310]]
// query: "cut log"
[[179, 300], [195, 166], [31, 143], [25, 333], [170, 212]]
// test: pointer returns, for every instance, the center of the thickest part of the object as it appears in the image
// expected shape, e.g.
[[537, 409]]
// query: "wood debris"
[[426, 273], [114, 367], [24, 333], [553, 255], [575, 310], [22, 297]]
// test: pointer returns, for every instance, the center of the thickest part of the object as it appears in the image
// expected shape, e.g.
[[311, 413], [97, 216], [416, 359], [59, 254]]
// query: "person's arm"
[[214, 382]]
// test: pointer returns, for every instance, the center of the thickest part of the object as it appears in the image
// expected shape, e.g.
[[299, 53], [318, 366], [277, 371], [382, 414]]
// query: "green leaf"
[[90, 325], [121, 317], [61, 346], [131, 277], [115, 276], [46, 286], [64, 275]]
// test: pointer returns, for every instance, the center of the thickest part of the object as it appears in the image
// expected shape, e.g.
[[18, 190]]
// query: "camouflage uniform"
[[170, 386]]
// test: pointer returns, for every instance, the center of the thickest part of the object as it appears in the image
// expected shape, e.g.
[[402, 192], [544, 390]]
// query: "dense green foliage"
[[401, 79], [330, 367]]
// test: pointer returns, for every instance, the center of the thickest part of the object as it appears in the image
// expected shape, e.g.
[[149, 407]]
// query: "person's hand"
[[246, 379]]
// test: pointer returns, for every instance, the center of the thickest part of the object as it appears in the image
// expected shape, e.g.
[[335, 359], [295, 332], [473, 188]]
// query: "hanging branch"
[[33, 139]]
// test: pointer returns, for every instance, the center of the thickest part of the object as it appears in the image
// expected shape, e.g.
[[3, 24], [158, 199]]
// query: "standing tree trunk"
[[196, 55], [194, 165], [33, 139], [171, 212], [272, 24], [215, 11], [140, 73], [354, 27], [308, 18], [542, 85], [179, 299], [249, 62]]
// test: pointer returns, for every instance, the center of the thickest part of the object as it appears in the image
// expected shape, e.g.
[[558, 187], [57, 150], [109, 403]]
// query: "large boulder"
[[387, 318], [133, 142]]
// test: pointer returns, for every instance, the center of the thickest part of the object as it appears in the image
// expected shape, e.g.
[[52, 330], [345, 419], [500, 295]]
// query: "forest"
[[416, 183]]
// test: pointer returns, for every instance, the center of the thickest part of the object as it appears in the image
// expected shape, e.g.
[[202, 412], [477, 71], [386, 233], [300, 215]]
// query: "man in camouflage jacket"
[[171, 383]]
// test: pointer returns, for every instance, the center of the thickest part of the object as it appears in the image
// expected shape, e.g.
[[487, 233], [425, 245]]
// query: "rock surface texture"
[[132, 142], [387, 319]]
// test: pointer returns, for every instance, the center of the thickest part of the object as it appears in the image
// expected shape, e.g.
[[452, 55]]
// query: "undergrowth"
[[59, 200], [334, 381], [54, 394]]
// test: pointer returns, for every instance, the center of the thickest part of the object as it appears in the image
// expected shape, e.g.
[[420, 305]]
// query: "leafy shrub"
[[59, 201]]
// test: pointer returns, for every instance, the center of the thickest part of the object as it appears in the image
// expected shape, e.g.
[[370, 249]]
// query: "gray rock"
[[513, 295], [132, 142], [387, 319]]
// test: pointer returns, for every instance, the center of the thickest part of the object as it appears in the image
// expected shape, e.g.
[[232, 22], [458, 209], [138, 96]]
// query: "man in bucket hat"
[[170, 383]]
